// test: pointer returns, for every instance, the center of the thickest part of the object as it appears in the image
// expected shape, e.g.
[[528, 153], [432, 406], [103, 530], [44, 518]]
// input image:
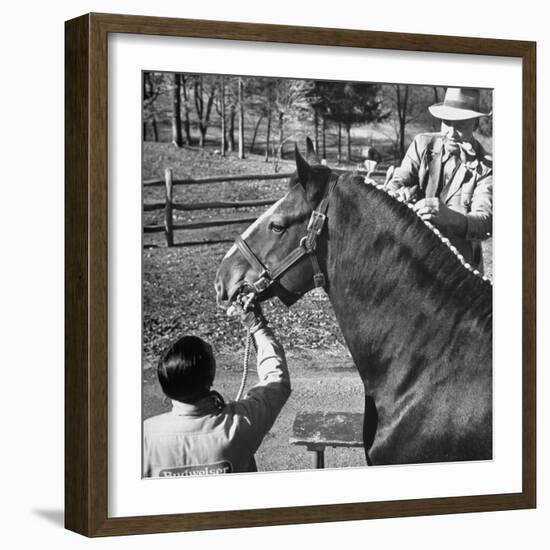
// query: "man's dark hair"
[[187, 369]]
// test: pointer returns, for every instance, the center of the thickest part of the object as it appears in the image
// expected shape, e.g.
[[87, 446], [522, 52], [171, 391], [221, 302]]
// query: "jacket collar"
[[211, 403]]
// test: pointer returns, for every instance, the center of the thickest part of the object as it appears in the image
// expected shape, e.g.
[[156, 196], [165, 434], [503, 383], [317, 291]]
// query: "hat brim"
[[445, 112]]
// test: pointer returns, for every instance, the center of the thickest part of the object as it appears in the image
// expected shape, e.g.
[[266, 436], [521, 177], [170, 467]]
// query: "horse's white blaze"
[[248, 231]]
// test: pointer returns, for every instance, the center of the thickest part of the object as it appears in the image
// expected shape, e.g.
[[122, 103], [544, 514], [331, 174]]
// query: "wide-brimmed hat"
[[459, 104]]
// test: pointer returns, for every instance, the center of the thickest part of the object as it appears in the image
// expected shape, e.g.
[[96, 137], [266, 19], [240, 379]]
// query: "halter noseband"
[[267, 277]]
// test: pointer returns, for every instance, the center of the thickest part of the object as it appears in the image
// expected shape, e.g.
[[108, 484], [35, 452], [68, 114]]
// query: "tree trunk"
[[436, 123], [143, 96], [202, 139], [177, 137], [316, 126], [253, 142], [241, 117], [280, 152], [402, 106], [186, 123], [209, 105], [203, 111], [232, 114], [402, 140], [348, 136], [339, 157], [155, 129], [267, 137], [223, 143], [324, 136]]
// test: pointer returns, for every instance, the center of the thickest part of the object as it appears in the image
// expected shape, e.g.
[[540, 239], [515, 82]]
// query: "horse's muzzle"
[[227, 286]]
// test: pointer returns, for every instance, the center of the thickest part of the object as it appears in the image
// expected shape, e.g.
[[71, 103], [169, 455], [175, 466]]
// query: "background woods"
[[258, 115]]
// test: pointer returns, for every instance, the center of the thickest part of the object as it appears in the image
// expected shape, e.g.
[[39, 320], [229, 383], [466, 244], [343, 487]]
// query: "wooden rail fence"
[[169, 205]]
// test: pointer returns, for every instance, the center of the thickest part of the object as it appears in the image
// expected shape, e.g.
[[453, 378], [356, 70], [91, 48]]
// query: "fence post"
[[168, 221]]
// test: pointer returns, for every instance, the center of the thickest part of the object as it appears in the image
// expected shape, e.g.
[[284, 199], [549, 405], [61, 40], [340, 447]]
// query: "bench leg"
[[320, 458]]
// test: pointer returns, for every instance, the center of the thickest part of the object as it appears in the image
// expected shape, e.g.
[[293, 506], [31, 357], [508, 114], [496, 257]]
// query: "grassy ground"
[[179, 298]]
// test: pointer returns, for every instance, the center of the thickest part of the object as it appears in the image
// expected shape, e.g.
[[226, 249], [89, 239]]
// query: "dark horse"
[[417, 320]]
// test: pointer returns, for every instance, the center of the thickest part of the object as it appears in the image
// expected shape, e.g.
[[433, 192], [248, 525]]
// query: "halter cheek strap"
[[307, 246], [264, 277]]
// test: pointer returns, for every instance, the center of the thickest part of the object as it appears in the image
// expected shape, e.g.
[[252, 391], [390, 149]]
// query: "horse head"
[[279, 254]]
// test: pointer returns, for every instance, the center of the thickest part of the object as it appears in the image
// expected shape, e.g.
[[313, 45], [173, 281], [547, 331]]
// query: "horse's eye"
[[276, 227]]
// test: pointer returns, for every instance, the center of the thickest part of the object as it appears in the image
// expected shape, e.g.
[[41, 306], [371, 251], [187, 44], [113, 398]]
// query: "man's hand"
[[407, 194], [436, 212], [249, 312]]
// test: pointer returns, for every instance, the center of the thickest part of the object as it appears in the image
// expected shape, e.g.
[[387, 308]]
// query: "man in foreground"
[[202, 435]]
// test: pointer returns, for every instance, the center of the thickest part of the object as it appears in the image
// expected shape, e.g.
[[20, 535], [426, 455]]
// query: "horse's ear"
[[302, 167], [311, 154]]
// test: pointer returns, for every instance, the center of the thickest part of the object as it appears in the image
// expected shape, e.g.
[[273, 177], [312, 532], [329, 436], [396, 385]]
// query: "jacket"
[[470, 192], [211, 437]]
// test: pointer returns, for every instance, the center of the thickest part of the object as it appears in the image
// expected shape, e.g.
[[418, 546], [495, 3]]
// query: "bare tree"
[[290, 100], [241, 117], [186, 82], [204, 92], [260, 102], [402, 103], [316, 129], [435, 122], [255, 134], [231, 131], [324, 138], [339, 152], [226, 104], [223, 141], [409, 104], [317, 99], [230, 107], [177, 137], [152, 88], [267, 137]]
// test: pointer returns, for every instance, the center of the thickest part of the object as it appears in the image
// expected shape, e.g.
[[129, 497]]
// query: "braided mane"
[[406, 212]]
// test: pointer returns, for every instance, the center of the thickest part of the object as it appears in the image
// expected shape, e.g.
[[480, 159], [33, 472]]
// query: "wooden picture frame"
[[86, 283]]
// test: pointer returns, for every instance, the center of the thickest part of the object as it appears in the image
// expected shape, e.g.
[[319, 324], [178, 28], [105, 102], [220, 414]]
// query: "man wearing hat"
[[449, 176]]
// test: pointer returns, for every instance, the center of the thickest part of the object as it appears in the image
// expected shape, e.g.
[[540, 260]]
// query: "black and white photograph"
[[274, 275], [316, 274]]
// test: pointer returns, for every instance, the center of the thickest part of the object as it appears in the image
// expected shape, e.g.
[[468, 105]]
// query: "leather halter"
[[267, 277]]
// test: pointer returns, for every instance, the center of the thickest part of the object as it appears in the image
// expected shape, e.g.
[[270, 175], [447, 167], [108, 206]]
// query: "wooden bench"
[[318, 430]]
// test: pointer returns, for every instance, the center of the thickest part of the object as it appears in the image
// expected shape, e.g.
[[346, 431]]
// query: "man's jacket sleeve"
[[480, 217], [266, 399], [406, 175]]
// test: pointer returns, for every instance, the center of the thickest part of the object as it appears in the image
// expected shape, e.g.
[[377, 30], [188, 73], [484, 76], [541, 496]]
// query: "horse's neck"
[[393, 292]]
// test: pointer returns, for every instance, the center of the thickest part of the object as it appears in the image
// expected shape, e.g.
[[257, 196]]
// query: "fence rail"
[[151, 206], [216, 179], [169, 205], [198, 225]]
